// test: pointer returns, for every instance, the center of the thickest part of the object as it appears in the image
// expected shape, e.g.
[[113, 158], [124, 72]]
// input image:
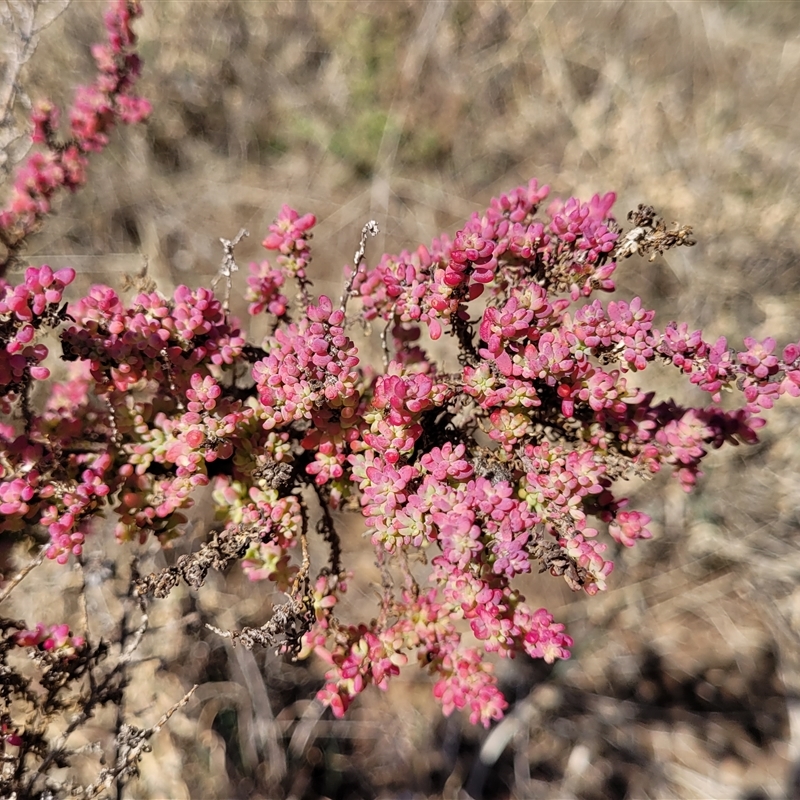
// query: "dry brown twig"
[[131, 743], [20, 576], [369, 229], [650, 236], [228, 265], [217, 553]]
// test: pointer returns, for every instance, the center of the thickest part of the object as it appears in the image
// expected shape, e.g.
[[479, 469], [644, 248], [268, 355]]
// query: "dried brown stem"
[[131, 743], [370, 229], [20, 576]]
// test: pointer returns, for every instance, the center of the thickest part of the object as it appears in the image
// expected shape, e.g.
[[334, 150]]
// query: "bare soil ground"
[[685, 675]]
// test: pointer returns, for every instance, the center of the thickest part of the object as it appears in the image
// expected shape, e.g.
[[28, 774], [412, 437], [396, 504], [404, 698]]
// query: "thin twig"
[[228, 265], [302, 576], [116, 437], [385, 343], [166, 366], [82, 602], [84, 606], [100, 693], [127, 762], [290, 621], [22, 574], [370, 229], [129, 641], [327, 528], [135, 636]]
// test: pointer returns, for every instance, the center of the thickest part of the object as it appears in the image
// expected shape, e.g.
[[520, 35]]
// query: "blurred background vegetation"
[[685, 676]]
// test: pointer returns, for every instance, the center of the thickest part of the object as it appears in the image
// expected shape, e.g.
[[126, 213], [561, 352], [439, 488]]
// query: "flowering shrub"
[[465, 479]]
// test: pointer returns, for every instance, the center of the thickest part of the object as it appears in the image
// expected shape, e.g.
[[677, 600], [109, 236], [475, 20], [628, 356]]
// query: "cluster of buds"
[[26, 311], [57, 639]]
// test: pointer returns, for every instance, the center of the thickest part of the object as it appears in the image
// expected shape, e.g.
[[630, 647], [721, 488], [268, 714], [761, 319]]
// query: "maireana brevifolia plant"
[[466, 478]]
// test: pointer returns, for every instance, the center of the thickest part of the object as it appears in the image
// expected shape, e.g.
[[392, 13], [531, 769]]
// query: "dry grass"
[[685, 675]]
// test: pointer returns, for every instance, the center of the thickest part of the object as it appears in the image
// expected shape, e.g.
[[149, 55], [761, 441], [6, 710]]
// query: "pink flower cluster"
[[290, 236], [365, 655], [29, 468], [26, 310], [588, 227], [56, 639], [153, 339], [369, 655], [21, 487], [76, 504], [95, 111], [309, 365], [263, 290], [757, 371]]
